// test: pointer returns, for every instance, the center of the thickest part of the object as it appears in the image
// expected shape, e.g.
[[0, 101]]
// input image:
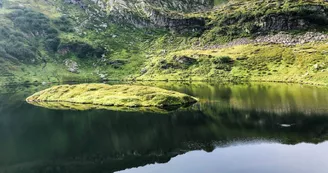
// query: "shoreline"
[[130, 81]]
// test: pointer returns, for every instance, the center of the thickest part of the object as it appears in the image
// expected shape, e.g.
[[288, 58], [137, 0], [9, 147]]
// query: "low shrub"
[[222, 60]]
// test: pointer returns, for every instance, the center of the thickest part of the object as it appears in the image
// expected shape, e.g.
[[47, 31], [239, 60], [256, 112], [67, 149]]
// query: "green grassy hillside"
[[54, 41], [48, 42]]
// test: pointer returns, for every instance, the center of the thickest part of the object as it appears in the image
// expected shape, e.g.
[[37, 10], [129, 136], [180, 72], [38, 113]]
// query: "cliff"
[[146, 13]]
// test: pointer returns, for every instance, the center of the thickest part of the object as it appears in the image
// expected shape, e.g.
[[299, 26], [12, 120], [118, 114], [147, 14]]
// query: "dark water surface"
[[249, 128]]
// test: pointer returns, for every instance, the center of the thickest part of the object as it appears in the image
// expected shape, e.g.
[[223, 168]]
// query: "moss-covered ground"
[[99, 96]]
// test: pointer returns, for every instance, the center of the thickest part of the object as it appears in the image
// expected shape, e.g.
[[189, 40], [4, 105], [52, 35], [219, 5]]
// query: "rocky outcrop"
[[280, 38], [184, 60], [300, 17], [157, 19], [281, 22], [182, 5], [146, 14], [178, 24], [76, 2], [165, 5], [307, 17], [288, 39], [149, 13]]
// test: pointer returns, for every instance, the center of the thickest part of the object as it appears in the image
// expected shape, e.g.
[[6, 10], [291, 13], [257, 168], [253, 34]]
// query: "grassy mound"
[[109, 96]]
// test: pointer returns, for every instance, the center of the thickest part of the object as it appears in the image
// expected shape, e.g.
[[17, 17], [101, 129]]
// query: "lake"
[[249, 128]]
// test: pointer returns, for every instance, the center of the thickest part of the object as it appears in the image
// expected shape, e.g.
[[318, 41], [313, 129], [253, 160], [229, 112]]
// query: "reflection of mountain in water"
[[95, 141], [280, 98], [264, 97], [40, 140]]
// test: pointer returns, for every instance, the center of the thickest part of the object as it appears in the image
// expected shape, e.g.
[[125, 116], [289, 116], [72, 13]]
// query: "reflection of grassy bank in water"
[[126, 140], [268, 97], [280, 98], [84, 107], [103, 96]]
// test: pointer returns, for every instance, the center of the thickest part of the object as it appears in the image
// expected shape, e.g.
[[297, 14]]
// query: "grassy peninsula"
[[104, 95]]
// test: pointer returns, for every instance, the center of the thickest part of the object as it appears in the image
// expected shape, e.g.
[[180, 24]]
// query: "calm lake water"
[[249, 128]]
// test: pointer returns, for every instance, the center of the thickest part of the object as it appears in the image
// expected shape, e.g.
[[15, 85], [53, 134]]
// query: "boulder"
[[72, 66], [143, 70], [184, 60]]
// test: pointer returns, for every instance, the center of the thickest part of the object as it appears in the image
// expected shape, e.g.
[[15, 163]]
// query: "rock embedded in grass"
[[113, 95]]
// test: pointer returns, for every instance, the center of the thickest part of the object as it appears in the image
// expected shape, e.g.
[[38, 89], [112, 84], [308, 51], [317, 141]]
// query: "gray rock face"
[[152, 13], [304, 17], [307, 17], [165, 5], [288, 39], [282, 23], [180, 25], [182, 5], [145, 13], [279, 38]]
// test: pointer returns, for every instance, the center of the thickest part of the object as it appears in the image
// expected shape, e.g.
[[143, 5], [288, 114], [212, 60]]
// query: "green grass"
[[302, 63], [111, 95]]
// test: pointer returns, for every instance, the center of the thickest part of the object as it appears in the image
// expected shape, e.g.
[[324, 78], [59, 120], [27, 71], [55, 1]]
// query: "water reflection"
[[35, 139], [270, 97]]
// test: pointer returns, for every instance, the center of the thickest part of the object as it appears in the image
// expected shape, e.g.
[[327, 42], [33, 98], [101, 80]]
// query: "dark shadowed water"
[[249, 128]]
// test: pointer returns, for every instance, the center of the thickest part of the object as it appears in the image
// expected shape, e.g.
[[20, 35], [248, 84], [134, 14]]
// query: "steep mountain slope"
[[151, 14], [79, 40]]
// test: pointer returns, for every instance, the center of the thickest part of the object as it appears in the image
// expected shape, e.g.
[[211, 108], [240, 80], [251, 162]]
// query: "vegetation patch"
[[80, 49], [306, 63], [102, 95]]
